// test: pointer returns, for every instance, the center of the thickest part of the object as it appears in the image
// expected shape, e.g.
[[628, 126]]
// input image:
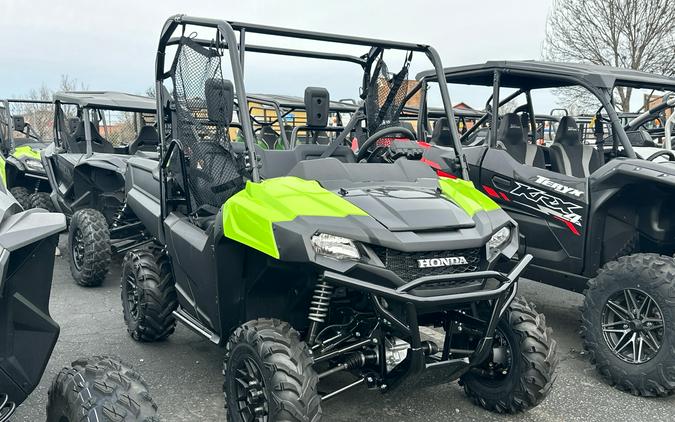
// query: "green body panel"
[[248, 216], [463, 193], [26, 151], [3, 173]]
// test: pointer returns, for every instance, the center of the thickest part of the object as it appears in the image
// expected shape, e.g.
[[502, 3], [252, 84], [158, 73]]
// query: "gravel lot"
[[185, 372]]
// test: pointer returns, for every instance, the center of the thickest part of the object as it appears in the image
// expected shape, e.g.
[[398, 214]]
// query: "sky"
[[111, 45]]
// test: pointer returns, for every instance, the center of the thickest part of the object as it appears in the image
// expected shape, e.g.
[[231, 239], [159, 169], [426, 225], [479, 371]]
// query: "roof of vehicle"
[[531, 74], [108, 100], [435, 112], [290, 101]]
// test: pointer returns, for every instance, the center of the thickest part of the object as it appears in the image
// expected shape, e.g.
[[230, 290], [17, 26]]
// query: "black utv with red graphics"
[[597, 223]]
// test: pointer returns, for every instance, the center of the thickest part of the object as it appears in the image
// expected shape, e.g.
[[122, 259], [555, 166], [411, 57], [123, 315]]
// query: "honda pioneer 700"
[[28, 333], [306, 262], [95, 134], [597, 223], [24, 126]]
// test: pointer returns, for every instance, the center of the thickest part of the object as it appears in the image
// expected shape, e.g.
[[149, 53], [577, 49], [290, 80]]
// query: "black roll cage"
[[83, 111], [226, 34], [596, 86]]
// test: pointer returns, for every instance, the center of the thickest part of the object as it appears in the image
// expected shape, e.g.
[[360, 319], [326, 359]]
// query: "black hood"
[[405, 209]]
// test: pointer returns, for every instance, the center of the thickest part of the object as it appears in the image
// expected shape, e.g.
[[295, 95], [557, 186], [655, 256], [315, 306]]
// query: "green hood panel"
[[248, 216], [26, 151], [463, 193], [3, 172]]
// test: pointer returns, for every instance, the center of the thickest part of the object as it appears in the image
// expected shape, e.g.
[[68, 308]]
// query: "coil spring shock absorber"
[[120, 214], [6, 407], [318, 308]]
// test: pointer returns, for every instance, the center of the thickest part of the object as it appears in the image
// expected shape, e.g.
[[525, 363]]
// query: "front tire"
[[22, 196], [628, 324], [100, 389], [148, 296], [275, 366], [522, 375], [42, 200], [89, 246]]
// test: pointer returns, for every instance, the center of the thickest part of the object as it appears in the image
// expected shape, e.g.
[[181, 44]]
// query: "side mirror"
[[639, 138], [19, 123]]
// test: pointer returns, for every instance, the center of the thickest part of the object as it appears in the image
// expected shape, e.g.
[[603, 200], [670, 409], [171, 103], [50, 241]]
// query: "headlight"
[[498, 239], [334, 246], [34, 165]]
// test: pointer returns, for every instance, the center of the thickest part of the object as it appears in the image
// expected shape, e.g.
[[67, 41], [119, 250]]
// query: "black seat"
[[269, 138], [410, 127], [147, 140], [512, 137], [214, 171], [78, 141], [569, 155], [73, 123], [441, 135]]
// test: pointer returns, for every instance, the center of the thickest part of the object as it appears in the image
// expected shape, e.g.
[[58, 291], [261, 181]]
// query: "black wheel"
[[100, 389], [628, 324], [520, 371], [269, 375], [41, 200], [89, 246], [148, 296], [22, 196]]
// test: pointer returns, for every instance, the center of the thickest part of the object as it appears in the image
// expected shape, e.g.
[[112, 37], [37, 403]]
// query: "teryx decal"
[[548, 204], [545, 181]]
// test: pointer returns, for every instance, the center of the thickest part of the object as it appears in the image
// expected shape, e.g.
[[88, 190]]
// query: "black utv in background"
[[21, 144], [28, 333], [595, 219], [306, 262], [86, 172]]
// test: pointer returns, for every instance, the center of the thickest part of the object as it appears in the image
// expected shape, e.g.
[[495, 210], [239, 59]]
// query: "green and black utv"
[[306, 262], [94, 389], [24, 127]]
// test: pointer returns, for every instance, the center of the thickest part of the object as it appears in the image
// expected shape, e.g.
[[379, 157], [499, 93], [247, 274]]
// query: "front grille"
[[405, 264]]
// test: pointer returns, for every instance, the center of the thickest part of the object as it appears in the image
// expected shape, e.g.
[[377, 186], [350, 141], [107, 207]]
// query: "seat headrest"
[[510, 130], [410, 127], [148, 134], [219, 95], [441, 134], [568, 132], [73, 123], [317, 101]]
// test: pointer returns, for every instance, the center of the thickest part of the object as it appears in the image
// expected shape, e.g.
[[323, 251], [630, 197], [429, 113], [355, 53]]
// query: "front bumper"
[[417, 370]]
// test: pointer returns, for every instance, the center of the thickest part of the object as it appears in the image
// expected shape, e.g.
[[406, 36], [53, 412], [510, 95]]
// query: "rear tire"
[[148, 296], [283, 384], [100, 389], [632, 278], [22, 196], [531, 353], [89, 246], [42, 200]]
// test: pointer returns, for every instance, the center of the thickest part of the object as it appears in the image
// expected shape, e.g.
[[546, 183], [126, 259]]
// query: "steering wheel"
[[392, 130], [657, 154]]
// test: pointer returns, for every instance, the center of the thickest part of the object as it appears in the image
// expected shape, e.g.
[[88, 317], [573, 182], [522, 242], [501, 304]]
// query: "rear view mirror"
[[640, 138], [19, 123]]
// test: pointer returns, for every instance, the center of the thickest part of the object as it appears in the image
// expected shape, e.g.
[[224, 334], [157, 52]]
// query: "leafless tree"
[[633, 34]]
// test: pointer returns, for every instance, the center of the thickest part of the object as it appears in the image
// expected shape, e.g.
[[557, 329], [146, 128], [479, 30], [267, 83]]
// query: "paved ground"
[[185, 376]]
